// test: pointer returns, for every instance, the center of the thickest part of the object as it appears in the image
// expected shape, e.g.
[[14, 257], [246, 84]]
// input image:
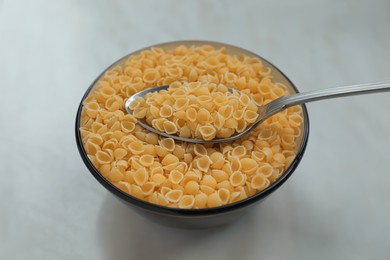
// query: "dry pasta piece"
[[120, 153], [146, 160], [224, 195], [219, 120], [248, 189], [136, 191], [191, 114], [151, 75], [238, 114], [153, 198], [209, 180], [234, 197], [237, 179], [158, 178], [175, 176], [167, 143], [186, 202], [207, 132], [185, 132], [166, 111], [116, 175], [174, 195], [150, 149], [225, 132], [161, 151], [95, 139], [180, 104], [103, 157], [200, 150], [250, 116], [179, 151], [192, 187], [148, 188], [200, 200], [203, 116], [248, 165], [197, 104], [227, 167], [105, 169], [165, 189], [235, 163], [141, 176], [187, 158], [158, 123], [136, 147], [219, 175], [214, 200], [170, 127], [161, 200], [218, 160], [265, 170], [92, 148], [259, 182], [242, 125], [202, 163], [226, 111], [206, 189], [124, 186], [239, 151], [169, 159]]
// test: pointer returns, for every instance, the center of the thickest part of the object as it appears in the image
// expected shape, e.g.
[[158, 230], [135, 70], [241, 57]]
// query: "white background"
[[335, 206]]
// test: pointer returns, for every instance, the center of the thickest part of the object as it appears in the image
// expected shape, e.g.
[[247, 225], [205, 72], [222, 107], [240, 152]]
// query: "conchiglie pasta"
[[103, 157], [239, 151], [237, 179], [116, 175], [136, 147], [202, 163], [167, 143], [200, 200], [146, 160], [186, 202], [224, 195], [170, 128], [207, 132], [192, 187], [197, 104], [214, 200], [259, 182], [141, 176], [174, 195]]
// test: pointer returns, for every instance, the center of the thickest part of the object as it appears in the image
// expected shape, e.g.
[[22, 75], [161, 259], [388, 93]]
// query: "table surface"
[[335, 206]]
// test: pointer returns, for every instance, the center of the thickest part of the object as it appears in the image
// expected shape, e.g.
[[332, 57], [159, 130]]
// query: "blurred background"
[[335, 206]]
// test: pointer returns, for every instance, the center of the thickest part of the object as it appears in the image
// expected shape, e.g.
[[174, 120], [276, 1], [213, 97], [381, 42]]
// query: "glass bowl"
[[207, 217]]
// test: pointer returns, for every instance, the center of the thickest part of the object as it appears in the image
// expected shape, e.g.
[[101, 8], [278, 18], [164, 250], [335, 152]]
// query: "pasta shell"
[[174, 195], [186, 202]]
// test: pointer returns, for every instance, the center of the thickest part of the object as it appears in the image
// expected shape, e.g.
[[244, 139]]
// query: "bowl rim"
[[163, 210]]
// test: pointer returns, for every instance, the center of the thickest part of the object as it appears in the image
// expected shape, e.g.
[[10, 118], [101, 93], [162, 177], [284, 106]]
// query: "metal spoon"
[[271, 108]]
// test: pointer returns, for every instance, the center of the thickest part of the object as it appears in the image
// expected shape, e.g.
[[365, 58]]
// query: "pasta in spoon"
[[196, 110]]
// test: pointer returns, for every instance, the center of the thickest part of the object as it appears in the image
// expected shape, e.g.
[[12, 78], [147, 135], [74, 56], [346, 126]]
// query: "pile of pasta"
[[199, 110], [179, 174]]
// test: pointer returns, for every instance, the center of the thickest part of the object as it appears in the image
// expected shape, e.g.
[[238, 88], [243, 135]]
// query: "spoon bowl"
[[141, 122]]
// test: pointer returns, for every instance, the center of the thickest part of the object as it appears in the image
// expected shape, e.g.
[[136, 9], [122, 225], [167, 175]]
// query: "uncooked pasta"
[[198, 104]]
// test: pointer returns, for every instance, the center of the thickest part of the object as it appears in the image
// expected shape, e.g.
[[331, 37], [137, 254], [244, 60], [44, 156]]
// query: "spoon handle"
[[287, 101]]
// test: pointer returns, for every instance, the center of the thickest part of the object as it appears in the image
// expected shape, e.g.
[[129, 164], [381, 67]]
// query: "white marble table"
[[336, 206]]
